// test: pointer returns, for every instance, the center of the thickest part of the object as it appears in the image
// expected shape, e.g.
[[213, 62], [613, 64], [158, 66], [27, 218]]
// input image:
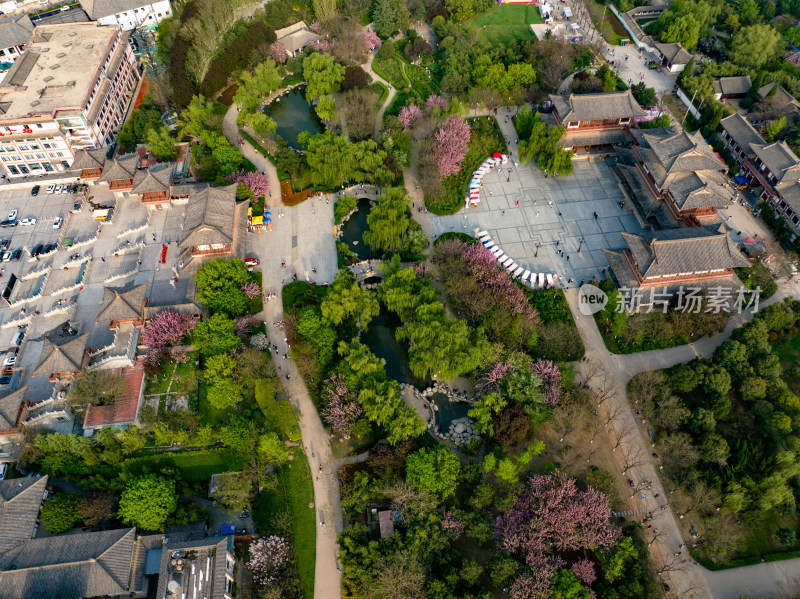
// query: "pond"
[[293, 115], [379, 338], [448, 411], [353, 230]]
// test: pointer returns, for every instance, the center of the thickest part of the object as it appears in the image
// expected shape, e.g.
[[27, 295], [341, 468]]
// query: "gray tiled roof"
[[674, 53], [9, 409], [122, 303], [594, 107], [733, 86], [790, 193], [780, 97], [154, 178], [683, 152], [210, 216], [296, 37], [89, 159], [683, 250], [15, 31], [779, 159], [699, 189], [742, 132], [97, 9], [88, 564], [20, 501], [120, 168], [61, 354], [215, 549]]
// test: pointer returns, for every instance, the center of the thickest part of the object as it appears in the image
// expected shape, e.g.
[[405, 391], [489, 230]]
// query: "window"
[[36, 166], [13, 170], [5, 158], [23, 147], [47, 167], [35, 147], [23, 169], [39, 155], [47, 146], [28, 156]]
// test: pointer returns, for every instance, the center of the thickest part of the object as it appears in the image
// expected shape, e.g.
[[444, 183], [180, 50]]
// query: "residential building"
[[125, 409], [675, 176], [732, 88], [127, 14], [296, 37], [76, 566], [51, 415], [697, 256], [15, 32], [673, 57], [774, 167], [69, 90], [593, 120], [180, 562], [20, 502]]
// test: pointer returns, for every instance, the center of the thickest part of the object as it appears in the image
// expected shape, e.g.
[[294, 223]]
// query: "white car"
[[6, 256], [57, 222], [59, 188], [10, 360], [51, 188], [13, 214], [27, 221]]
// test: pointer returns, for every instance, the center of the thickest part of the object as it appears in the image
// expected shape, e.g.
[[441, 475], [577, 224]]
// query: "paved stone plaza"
[[555, 212]]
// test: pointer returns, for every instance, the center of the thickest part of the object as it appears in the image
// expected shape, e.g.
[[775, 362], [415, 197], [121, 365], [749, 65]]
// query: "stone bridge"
[[365, 269]]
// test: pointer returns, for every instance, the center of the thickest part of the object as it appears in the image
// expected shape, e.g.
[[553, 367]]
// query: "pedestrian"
[[567, 256]]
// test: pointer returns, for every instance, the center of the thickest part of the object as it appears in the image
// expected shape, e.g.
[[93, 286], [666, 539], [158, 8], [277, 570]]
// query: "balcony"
[[121, 185]]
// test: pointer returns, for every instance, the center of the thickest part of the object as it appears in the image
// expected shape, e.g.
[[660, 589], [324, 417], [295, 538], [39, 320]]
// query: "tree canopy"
[[435, 470], [147, 502]]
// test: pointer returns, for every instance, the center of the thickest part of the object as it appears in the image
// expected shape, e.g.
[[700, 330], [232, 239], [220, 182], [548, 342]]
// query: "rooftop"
[[97, 9], [595, 107], [122, 303], [742, 132], [296, 37], [733, 86], [9, 409], [15, 31], [674, 53], [195, 569], [781, 96], [62, 354], [20, 501], [683, 152], [56, 71], [780, 160], [126, 408], [87, 564], [209, 217]]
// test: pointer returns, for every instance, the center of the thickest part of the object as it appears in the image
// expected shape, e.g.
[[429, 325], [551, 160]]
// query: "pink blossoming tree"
[[452, 143], [343, 409], [550, 376], [409, 115], [268, 556], [583, 570], [434, 100], [371, 41], [258, 183], [251, 289], [452, 525], [552, 515], [316, 27], [167, 328], [491, 379], [277, 52], [322, 45]]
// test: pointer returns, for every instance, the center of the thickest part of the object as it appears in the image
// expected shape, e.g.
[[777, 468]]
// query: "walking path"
[[389, 99]]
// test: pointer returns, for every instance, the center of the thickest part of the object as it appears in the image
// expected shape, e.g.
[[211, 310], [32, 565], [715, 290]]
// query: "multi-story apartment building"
[[127, 14], [70, 89]]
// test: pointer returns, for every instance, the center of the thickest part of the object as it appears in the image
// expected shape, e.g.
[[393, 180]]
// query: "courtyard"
[[551, 224]]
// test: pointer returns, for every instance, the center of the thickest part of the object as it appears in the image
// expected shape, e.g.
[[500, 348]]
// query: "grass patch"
[[294, 494], [486, 139], [343, 207], [380, 90], [611, 29], [419, 81], [465, 237], [401, 97], [194, 466], [277, 411], [757, 276], [255, 305], [507, 22], [390, 70], [299, 294]]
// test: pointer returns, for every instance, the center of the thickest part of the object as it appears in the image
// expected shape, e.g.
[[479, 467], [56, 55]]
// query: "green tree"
[[59, 513], [774, 129], [318, 331], [470, 572], [219, 276], [405, 424], [484, 409], [147, 502], [755, 46], [272, 449], [460, 10], [346, 299], [567, 586], [389, 16], [219, 367], [617, 559], [748, 12], [326, 108], [333, 160], [714, 448], [255, 86], [525, 388], [507, 471], [224, 394], [161, 144], [388, 221], [216, 335], [143, 120], [199, 116], [260, 123], [324, 10], [435, 470], [234, 492], [322, 74]]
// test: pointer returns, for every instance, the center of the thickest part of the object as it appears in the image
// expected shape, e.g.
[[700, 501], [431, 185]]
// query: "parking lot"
[[553, 225]]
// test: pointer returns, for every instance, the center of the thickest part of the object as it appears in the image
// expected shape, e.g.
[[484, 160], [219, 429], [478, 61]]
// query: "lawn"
[[507, 22], [419, 81], [757, 276], [299, 294], [159, 383], [611, 29], [380, 90], [400, 99], [390, 70], [256, 304], [295, 494], [194, 466], [277, 411], [485, 140]]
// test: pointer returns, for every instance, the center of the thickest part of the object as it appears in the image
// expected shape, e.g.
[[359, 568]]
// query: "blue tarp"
[[740, 179], [228, 529]]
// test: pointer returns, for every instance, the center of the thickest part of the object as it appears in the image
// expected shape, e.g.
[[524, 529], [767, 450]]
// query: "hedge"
[[237, 57]]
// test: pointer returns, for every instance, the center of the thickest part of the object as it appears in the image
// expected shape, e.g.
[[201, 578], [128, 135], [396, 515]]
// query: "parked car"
[[8, 223], [6, 257], [49, 248], [12, 215], [10, 360], [16, 254], [76, 207], [5, 379], [35, 190], [27, 221], [51, 188], [252, 261], [57, 222], [17, 339], [7, 370], [4, 244], [59, 188], [37, 250]]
